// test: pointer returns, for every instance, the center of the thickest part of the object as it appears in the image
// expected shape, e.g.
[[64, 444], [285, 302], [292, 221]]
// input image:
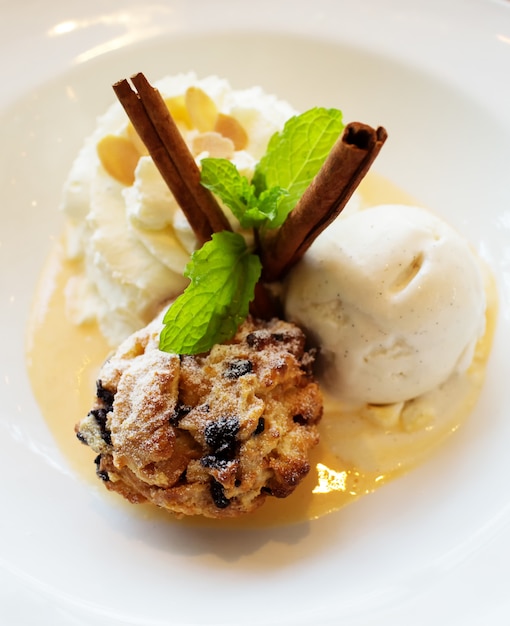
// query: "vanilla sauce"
[[356, 455]]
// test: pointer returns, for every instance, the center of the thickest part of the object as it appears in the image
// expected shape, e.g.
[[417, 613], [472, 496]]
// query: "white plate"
[[431, 547]]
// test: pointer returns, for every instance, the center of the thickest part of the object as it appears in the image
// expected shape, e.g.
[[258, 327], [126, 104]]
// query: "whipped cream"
[[133, 239]]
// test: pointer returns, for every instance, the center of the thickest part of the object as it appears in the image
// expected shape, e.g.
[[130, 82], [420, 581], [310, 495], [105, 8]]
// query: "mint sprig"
[[223, 178], [293, 158], [223, 273], [223, 276], [296, 154]]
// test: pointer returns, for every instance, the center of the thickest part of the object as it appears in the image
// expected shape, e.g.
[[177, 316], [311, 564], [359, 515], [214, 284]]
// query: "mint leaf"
[[295, 155], [222, 178], [293, 158], [223, 276]]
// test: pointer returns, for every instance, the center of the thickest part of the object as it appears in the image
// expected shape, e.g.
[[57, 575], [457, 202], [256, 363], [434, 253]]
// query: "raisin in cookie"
[[212, 434]]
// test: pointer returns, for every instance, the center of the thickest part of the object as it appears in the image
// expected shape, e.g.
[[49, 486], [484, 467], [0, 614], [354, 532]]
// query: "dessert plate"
[[433, 546]]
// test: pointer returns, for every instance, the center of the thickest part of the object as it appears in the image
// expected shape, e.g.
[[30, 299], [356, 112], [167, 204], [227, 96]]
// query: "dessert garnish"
[[322, 201], [299, 187], [154, 124]]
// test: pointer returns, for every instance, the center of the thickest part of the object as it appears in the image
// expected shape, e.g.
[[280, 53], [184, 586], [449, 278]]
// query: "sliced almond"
[[119, 157], [177, 107], [201, 109], [383, 415], [229, 127], [214, 144], [417, 415], [134, 137]]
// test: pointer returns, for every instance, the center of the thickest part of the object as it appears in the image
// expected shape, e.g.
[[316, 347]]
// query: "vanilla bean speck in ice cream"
[[124, 225]]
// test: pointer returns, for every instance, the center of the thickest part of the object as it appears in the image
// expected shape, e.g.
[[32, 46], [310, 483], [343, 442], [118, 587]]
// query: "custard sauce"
[[357, 453]]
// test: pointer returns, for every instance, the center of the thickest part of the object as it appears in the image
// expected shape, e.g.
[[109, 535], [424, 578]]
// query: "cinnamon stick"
[[157, 129], [154, 124], [341, 173]]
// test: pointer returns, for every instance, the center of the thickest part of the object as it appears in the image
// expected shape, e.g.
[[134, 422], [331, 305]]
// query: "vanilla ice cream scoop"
[[395, 299]]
